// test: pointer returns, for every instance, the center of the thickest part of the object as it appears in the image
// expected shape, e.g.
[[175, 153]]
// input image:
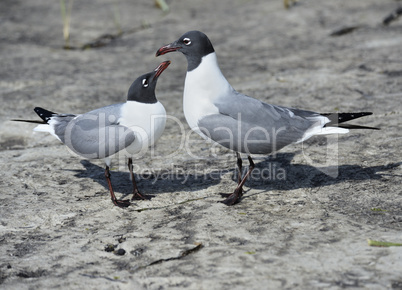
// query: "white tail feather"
[[46, 128], [319, 129]]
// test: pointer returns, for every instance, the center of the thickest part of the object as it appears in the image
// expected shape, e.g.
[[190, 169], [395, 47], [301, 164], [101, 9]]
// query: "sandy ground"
[[307, 213]]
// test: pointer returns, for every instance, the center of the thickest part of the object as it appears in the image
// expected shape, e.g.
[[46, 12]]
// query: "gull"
[[216, 111], [124, 128]]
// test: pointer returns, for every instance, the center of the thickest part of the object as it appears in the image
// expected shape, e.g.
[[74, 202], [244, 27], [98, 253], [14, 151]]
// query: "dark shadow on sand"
[[306, 176], [272, 173], [154, 182]]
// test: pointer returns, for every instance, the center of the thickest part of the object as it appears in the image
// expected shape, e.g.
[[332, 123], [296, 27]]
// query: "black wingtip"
[[28, 121], [337, 118], [351, 126], [45, 115]]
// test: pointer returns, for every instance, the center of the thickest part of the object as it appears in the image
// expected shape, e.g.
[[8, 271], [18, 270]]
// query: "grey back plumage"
[[250, 126], [96, 134]]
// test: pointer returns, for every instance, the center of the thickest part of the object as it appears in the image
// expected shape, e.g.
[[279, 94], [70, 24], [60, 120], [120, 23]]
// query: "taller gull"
[[216, 111], [127, 127]]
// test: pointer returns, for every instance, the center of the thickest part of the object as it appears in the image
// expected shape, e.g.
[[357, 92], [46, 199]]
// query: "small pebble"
[[109, 248], [120, 252]]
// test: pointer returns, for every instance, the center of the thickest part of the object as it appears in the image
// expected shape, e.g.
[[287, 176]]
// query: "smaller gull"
[[216, 111], [126, 128]]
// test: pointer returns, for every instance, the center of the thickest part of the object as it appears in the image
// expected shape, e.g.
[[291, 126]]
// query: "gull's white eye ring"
[[187, 41], [145, 83]]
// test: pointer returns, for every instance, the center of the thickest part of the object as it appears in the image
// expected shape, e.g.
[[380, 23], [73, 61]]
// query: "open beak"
[[159, 70], [167, 48]]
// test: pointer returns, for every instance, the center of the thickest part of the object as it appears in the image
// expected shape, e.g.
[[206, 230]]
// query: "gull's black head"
[[143, 88], [193, 44]]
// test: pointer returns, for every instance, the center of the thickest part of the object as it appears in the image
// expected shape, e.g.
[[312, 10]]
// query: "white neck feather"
[[202, 87]]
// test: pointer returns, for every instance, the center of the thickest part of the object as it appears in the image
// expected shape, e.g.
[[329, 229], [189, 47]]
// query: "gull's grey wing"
[[96, 134], [248, 125], [98, 142]]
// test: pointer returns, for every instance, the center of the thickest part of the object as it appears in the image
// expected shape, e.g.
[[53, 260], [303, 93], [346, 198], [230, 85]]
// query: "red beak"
[[159, 70], [167, 48]]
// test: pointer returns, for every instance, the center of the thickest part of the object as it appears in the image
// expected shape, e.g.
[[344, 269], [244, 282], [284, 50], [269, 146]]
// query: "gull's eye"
[[187, 41], [145, 83]]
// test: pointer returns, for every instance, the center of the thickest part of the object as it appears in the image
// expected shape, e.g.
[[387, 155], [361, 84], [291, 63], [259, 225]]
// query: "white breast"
[[202, 86], [146, 120]]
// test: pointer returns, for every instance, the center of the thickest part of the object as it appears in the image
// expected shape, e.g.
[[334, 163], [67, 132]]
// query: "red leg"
[[237, 194], [240, 169], [136, 192], [119, 203], [239, 174]]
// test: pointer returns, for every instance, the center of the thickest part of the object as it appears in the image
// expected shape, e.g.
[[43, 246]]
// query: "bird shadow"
[[278, 173], [272, 173], [150, 183]]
